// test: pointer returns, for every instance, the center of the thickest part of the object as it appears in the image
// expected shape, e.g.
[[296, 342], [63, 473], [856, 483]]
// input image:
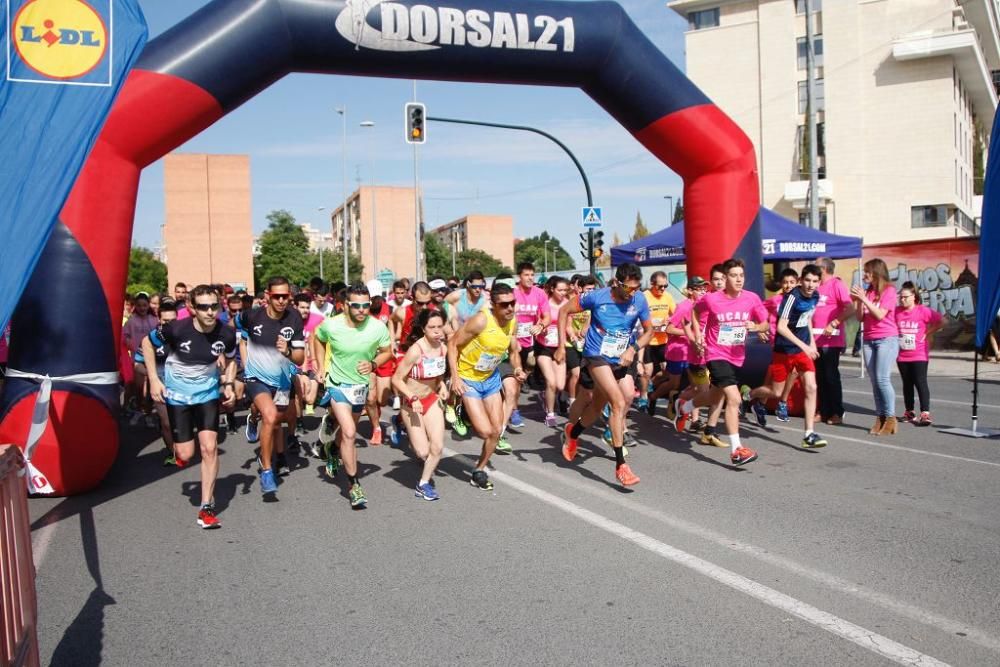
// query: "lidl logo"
[[60, 41]]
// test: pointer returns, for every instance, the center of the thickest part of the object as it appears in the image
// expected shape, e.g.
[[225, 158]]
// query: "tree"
[[284, 251], [145, 272], [640, 228], [437, 256], [678, 212], [473, 258], [333, 266], [605, 260], [533, 250]]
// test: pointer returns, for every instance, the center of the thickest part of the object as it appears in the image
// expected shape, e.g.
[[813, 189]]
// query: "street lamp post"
[[670, 204], [454, 247], [321, 209], [546, 249], [371, 156], [343, 114]]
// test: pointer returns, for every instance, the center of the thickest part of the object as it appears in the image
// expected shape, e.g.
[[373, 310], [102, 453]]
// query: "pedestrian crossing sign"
[[593, 217]]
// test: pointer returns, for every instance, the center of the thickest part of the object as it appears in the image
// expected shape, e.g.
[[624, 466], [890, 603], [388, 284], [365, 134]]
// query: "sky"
[[293, 136]]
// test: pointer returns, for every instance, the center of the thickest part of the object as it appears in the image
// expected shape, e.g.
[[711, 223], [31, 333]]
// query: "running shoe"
[[395, 430], [569, 443], [651, 406], [743, 456], [760, 412], [449, 414], [300, 426], [698, 425], [481, 480], [313, 449], [550, 420], [170, 460], [426, 491], [267, 482], [252, 431], [281, 464], [503, 445], [712, 440], [460, 427], [357, 495], [625, 475], [908, 416], [781, 413], [606, 412], [680, 417], [376, 438], [642, 403], [744, 400], [328, 429], [292, 443], [332, 462], [310, 410], [207, 518], [813, 441], [924, 419], [516, 421], [606, 436]]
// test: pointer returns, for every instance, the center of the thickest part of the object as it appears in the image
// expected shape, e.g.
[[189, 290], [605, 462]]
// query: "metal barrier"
[[18, 607]]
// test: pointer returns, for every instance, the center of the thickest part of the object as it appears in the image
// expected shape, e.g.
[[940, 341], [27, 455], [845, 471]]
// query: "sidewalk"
[[943, 364]]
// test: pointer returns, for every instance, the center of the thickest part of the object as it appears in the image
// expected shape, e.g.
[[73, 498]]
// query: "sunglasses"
[[659, 287], [478, 286], [421, 303], [364, 305], [505, 304], [205, 307], [281, 297], [629, 289]]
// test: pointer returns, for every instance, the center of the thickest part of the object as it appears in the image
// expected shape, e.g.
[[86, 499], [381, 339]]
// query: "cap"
[[375, 287], [696, 281], [438, 284], [509, 282]]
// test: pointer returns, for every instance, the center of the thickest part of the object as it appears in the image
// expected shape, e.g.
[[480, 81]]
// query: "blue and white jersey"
[[798, 311], [160, 351], [611, 323], [264, 362], [191, 369]]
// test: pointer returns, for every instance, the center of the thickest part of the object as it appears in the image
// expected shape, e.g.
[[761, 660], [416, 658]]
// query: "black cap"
[[695, 282]]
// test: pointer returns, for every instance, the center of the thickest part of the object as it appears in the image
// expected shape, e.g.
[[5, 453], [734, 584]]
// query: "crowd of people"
[[449, 354]]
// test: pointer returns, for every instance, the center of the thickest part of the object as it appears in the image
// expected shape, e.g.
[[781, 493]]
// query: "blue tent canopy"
[[781, 238]]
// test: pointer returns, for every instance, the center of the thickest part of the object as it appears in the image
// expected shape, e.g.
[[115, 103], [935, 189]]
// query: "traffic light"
[[585, 246], [598, 244], [415, 119]]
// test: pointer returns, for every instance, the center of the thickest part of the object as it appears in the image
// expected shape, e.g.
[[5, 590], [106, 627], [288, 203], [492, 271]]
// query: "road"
[[869, 552]]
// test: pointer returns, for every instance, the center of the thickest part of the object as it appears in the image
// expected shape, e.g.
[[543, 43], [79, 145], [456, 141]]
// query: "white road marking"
[[964, 404], [884, 445], [943, 623], [863, 637]]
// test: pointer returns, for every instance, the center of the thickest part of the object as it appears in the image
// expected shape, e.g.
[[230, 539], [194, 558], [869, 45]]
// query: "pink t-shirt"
[[834, 297], [679, 348], [913, 325], [137, 328], [772, 304], [728, 317], [549, 337], [886, 327], [315, 319], [527, 311], [183, 313]]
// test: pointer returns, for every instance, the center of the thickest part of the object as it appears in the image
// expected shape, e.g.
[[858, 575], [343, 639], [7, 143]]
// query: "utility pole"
[[811, 119], [346, 218], [416, 200]]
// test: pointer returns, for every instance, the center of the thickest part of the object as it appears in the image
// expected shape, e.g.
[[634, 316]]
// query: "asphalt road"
[[868, 552]]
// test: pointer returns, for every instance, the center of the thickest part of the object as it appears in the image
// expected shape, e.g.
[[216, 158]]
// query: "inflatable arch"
[[224, 54]]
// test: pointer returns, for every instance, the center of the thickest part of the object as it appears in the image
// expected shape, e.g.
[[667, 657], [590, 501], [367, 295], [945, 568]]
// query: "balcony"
[[964, 48], [797, 193]]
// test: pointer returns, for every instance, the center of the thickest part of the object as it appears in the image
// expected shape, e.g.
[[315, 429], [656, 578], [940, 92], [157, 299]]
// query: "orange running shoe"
[[743, 456], [680, 417], [569, 444], [626, 476], [376, 438]]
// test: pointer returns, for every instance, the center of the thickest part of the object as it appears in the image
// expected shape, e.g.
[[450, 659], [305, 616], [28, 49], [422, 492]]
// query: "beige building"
[[381, 227], [208, 234], [317, 238], [493, 234], [903, 89]]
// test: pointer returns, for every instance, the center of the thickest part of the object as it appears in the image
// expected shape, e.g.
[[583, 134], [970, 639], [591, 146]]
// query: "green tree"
[[473, 258], [145, 272], [678, 212], [437, 256], [333, 266], [640, 228], [284, 251], [533, 250]]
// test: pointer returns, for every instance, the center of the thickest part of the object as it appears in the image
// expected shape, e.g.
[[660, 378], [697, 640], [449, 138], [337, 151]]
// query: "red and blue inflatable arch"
[[220, 57]]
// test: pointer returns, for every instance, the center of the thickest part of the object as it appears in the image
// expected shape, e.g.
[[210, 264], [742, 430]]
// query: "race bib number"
[[282, 398], [908, 341], [805, 319], [523, 330], [731, 335], [177, 397], [434, 367], [614, 345], [659, 325], [822, 332], [488, 362], [551, 337]]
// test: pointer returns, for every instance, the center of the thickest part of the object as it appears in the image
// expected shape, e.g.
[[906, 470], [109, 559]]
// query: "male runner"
[[167, 313], [532, 315], [275, 344], [464, 304], [306, 380], [380, 387], [474, 356], [780, 384], [661, 307], [346, 349], [190, 386], [835, 307], [607, 355], [181, 299], [400, 295]]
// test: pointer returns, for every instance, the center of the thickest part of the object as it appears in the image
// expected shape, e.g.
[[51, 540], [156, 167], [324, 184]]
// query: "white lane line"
[[964, 404], [943, 623], [40, 541], [863, 637], [871, 443]]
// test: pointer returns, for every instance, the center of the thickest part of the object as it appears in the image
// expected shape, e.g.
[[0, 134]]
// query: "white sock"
[[809, 432], [687, 406], [734, 442]]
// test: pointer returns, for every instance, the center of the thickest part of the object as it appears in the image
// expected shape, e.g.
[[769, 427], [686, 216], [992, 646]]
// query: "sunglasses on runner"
[[363, 305], [421, 303], [281, 297], [505, 304], [478, 286], [205, 307], [657, 286]]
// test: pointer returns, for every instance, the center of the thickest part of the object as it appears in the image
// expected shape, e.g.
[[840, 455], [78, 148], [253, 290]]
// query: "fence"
[[18, 608]]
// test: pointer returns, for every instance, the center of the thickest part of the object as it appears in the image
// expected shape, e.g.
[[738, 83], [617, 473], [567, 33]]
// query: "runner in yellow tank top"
[[474, 356]]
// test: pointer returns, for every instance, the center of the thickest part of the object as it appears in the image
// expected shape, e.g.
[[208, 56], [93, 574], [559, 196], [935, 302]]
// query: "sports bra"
[[428, 367]]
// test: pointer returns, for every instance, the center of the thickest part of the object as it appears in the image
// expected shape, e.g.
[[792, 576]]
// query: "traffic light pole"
[[526, 128]]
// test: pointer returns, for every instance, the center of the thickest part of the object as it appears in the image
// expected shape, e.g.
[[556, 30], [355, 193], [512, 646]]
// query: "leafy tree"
[[678, 212], [473, 258], [533, 250], [145, 272], [333, 266], [640, 228], [437, 256], [284, 251]]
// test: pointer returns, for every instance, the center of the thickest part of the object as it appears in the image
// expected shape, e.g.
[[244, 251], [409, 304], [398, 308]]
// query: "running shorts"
[[485, 388], [587, 380], [783, 364], [724, 374], [187, 420], [654, 354]]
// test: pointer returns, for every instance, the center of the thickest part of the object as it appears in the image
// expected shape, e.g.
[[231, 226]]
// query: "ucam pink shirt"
[[679, 348], [833, 298], [772, 305], [886, 327], [527, 312], [549, 336], [913, 325], [728, 318]]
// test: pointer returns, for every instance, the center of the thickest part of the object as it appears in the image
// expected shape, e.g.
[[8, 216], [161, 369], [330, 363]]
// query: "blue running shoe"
[[252, 431], [515, 419], [267, 482], [760, 412], [781, 413], [426, 491], [606, 436], [395, 430], [606, 412], [642, 403]]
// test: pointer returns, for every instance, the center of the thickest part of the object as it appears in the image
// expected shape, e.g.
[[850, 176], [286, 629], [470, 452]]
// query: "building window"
[[928, 216], [814, 6], [800, 44], [804, 219], [804, 96], [706, 18]]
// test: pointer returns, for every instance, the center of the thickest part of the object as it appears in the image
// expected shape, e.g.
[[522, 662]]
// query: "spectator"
[[875, 305], [917, 323]]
